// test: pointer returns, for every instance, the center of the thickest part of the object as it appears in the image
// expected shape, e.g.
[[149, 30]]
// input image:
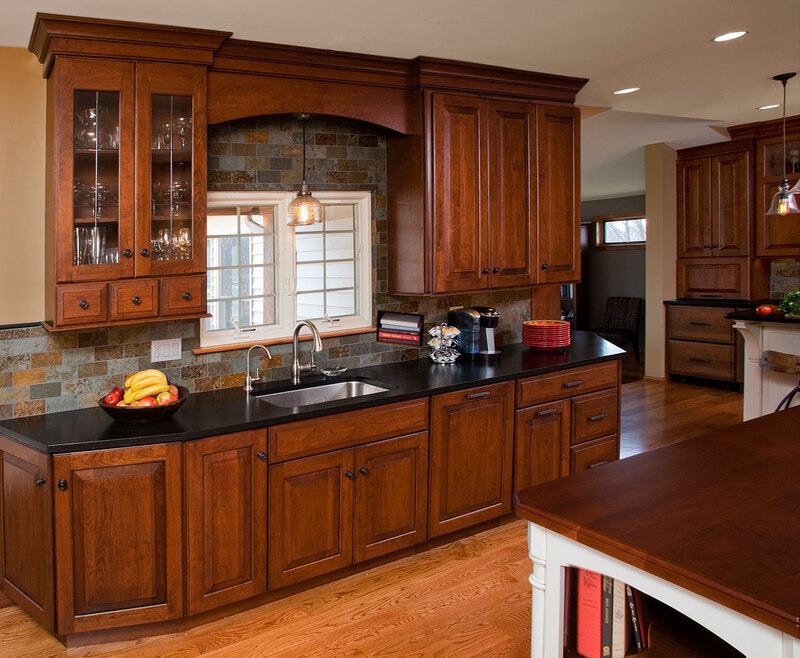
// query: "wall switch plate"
[[168, 349]]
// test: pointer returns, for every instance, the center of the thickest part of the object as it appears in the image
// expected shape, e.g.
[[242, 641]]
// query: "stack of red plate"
[[546, 334]]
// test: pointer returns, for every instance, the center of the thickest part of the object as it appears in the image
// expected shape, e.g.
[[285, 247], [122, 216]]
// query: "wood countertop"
[[718, 515]]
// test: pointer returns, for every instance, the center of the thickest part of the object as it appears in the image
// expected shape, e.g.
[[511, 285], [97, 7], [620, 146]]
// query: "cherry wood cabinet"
[[777, 235], [118, 537], [330, 510], [26, 516], [472, 436], [226, 519], [566, 422]]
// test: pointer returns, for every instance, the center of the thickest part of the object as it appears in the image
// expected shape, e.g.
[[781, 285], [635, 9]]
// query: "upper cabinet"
[[126, 156], [776, 235], [485, 196]]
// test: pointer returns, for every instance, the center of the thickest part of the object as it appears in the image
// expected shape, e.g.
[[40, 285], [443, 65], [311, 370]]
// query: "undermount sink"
[[301, 397]]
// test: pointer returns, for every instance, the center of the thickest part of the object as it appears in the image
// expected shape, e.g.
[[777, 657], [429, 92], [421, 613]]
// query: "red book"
[[589, 609]]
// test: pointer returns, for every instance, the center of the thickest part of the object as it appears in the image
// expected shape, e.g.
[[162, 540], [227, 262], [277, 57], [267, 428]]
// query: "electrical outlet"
[[168, 349]]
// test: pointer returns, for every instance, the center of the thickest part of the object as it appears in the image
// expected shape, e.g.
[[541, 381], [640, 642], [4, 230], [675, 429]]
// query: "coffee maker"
[[476, 325]]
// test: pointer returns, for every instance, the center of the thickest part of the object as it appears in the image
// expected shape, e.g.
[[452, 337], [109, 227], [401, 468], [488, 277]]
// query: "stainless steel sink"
[[301, 397]]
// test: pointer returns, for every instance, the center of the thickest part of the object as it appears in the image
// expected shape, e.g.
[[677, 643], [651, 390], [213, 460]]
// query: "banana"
[[135, 377], [146, 382], [155, 389]]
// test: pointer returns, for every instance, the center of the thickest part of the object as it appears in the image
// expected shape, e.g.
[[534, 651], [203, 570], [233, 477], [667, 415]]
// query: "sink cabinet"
[[472, 436]]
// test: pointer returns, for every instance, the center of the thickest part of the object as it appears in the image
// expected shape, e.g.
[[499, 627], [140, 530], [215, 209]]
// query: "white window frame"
[[285, 264]]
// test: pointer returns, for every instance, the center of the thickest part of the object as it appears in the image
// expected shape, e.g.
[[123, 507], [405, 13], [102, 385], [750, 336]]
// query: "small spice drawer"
[[594, 415]]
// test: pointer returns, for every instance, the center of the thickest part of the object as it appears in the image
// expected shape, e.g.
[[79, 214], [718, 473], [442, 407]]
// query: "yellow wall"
[[22, 175]]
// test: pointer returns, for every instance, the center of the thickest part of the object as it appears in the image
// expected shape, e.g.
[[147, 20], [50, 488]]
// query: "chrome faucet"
[[306, 367], [248, 380]]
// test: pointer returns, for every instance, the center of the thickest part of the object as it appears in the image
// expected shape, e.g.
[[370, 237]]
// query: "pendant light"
[[784, 202], [304, 208]]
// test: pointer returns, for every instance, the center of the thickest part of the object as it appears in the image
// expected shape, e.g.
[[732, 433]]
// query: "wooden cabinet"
[[472, 434], [486, 198], [566, 422], [777, 235], [126, 157], [346, 488], [702, 343], [26, 550], [226, 519], [118, 537]]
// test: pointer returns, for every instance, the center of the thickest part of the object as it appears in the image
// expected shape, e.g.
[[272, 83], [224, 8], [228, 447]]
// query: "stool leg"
[[788, 399]]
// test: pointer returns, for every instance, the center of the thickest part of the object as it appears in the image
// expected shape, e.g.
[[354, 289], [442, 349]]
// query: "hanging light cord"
[[784, 137], [784, 81]]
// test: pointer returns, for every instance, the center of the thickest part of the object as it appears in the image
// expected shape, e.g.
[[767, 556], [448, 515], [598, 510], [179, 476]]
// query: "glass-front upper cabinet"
[[94, 208], [172, 154]]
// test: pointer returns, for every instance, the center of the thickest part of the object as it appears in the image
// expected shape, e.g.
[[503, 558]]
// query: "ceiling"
[[691, 88]]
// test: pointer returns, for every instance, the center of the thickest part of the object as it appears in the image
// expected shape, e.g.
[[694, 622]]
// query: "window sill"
[[283, 340]]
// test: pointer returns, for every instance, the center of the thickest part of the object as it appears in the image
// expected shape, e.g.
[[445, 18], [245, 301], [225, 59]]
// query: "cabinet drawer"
[[137, 298], [594, 415], [593, 453], [707, 360], [183, 295], [713, 278], [566, 383], [703, 323], [318, 435], [84, 303]]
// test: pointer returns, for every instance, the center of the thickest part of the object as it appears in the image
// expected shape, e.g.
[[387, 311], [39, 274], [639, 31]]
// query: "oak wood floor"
[[467, 598]]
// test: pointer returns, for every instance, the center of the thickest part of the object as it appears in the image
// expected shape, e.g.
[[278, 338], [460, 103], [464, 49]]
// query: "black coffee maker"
[[476, 325]]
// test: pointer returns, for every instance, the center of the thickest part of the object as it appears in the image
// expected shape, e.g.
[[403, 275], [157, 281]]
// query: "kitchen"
[[203, 372]]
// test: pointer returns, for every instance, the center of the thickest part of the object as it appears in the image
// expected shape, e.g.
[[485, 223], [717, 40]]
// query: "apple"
[[166, 397], [765, 309], [148, 401], [173, 390]]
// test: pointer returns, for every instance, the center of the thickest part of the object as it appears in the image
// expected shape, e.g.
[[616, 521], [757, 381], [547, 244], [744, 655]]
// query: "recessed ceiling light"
[[628, 90], [729, 36], [769, 107]]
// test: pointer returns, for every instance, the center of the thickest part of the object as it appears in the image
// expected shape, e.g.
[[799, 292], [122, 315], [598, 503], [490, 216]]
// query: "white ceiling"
[[691, 88]]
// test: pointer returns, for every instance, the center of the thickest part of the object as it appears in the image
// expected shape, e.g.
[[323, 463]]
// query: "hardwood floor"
[[470, 597]]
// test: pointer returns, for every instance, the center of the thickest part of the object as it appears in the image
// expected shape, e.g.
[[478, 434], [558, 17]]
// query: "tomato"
[[765, 309]]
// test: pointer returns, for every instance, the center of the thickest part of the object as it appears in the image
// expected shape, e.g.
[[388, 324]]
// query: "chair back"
[[623, 313]]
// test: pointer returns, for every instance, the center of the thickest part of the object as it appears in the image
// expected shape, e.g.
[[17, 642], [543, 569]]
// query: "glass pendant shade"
[[796, 188], [784, 202], [304, 208]]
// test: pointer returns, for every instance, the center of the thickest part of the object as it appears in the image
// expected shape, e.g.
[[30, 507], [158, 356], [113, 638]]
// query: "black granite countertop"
[[232, 409], [726, 303], [755, 317]]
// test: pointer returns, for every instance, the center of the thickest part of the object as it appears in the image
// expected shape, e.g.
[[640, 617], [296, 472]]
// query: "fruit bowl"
[[145, 414]]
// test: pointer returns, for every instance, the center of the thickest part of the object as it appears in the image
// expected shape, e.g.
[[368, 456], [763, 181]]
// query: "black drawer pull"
[[187, 295], [577, 382], [83, 304], [544, 266], [709, 295], [597, 417], [695, 359], [700, 324], [546, 412], [39, 482], [596, 464], [477, 396]]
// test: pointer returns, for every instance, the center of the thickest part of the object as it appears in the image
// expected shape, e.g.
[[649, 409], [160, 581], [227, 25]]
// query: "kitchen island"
[[707, 526]]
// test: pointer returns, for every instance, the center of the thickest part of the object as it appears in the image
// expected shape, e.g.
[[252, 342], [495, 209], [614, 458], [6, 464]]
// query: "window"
[[264, 276], [620, 231]]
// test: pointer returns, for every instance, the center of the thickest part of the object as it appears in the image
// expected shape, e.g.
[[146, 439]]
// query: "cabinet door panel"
[[694, 207], [731, 203], [541, 435], [472, 433], [310, 517], [226, 514], [118, 537], [391, 495], [512, 193], [460, 220], [558, 226]]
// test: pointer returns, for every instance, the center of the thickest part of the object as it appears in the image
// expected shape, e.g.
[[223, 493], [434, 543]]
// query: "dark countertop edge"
[[735, 303], [238, 411], [752, 316]]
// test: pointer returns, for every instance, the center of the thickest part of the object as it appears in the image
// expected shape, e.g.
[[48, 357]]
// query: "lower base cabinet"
[[331, 510]]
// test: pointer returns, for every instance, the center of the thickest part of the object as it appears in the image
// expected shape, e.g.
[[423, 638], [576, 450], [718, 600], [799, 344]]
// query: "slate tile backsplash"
[[42, 372]]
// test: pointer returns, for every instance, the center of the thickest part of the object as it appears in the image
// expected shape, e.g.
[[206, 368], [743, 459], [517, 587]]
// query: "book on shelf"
[[589, 613], [636, 609], [411, 339]]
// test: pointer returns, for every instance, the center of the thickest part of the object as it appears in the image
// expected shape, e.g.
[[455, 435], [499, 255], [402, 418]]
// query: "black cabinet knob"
[[136, 300], [62, 484], [495, 270], [145, 252], [262, 455], [187, 295], [350, 475], [127, 253], [544, 266], [39, 482], [363, 470], [485, 270], [83, 304]]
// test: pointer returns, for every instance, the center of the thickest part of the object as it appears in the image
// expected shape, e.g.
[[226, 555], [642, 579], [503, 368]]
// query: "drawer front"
[[183, 295], [318, 435], [713, 278], [704, 323], [81, 303], [594, 415], [567, 383], [593, 453], [706, 360], [134, 299]]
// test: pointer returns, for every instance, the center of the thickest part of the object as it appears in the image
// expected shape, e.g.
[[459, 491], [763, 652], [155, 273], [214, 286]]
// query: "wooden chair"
[[621, 322], [785, 363]]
